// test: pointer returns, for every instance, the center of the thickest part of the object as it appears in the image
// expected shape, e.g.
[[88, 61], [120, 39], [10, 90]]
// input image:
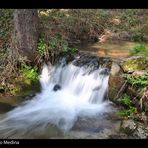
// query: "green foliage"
[[129, 110], [139, 49], [58, 43], [41, 47], [55, 43], [140, 81], [5, 22], [29, 72], [6, 16], [47, 50], [70, 49], [125, 100]]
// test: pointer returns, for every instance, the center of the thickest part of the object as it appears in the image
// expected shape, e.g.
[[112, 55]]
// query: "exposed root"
[[144, 97]]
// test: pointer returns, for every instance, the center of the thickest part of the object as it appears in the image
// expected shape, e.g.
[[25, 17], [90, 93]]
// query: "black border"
[[105, 4], [79, 142], [74, 4]]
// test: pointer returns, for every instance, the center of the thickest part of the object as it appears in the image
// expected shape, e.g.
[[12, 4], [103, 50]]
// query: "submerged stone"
[[57, 87]]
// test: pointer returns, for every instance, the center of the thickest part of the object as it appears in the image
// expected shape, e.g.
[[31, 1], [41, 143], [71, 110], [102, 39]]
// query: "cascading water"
[[67, 92]]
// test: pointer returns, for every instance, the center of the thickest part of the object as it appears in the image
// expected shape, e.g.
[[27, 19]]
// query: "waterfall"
[[67, 92]]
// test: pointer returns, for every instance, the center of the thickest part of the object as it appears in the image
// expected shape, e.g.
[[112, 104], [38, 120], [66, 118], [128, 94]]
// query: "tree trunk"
[[26, 32]]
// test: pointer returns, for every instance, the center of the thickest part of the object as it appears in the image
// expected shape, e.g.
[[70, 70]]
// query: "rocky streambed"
[[109, 125]]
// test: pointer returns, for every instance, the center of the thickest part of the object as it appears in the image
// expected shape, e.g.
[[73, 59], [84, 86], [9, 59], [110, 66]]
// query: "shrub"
[[30, 72]]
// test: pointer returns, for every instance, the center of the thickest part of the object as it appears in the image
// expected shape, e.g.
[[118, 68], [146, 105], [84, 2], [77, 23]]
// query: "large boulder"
[[116, 82]]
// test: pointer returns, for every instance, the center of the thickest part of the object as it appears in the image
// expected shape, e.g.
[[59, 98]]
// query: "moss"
[[135, 63], [22, 86]]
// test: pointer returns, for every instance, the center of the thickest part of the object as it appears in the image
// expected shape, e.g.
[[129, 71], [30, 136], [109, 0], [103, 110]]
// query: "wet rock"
[[128, 126], [5, 107], [134, 63], [29, 97], [64, 58], [105, 71], [57, 87], [86, 60]]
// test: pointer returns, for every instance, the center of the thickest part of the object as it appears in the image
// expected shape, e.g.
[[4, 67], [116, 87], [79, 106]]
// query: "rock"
[[2, 90], [115, 69], [141, 132], [134, 63], [5, 107], [57, 87], [124, 36], [128, 126], [105, 71], [116, 82], [139, 72]]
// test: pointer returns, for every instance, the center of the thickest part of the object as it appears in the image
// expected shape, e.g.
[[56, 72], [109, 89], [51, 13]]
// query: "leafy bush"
[[30, 72]]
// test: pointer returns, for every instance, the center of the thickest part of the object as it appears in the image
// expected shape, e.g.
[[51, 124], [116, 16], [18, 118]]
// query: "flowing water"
[[68, 93]]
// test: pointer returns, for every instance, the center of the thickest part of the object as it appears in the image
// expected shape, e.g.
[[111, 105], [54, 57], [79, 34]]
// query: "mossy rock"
[[24, 87], [134, 63]]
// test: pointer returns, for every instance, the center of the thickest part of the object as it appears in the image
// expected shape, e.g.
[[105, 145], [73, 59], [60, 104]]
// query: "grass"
[[88, 24], [139, 49]]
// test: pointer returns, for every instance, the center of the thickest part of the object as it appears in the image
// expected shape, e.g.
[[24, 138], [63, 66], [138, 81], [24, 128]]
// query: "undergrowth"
[[29, 72], [141, 81], [139, 49], [48, 49], [129, 110]]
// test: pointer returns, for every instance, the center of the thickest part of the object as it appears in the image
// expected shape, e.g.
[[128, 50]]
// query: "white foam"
[[81, 94]]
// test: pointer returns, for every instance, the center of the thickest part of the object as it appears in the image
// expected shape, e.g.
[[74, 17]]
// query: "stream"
[[72, 103]]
